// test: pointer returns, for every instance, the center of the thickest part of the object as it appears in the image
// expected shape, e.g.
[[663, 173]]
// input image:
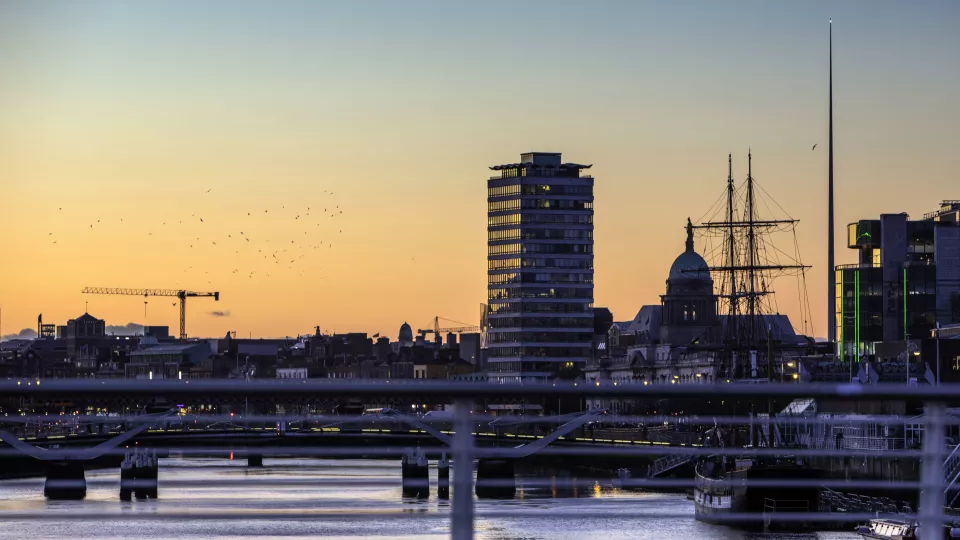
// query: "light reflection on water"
[[372, 510]]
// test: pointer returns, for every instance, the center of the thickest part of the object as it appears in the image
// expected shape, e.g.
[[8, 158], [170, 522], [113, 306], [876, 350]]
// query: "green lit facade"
[[906, 279]]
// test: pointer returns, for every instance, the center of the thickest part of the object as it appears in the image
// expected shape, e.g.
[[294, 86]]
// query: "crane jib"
[[181, 294]]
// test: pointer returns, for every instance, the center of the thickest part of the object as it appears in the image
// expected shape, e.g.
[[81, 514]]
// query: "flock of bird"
[[308, 231]]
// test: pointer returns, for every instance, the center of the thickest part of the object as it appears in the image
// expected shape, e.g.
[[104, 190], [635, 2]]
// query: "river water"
[[193, 488]]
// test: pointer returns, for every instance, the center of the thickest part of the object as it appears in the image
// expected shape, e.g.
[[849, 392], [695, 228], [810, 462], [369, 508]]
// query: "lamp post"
[[938, 352]]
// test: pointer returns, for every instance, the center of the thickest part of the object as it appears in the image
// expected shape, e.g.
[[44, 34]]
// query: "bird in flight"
[[201, 220], [208, 191], [814, 146]]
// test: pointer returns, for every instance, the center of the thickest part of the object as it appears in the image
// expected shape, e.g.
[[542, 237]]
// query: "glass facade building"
[[907, 279], [539, 268]]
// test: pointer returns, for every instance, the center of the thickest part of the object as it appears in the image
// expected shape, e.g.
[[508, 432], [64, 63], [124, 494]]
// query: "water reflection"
[[550, 505]]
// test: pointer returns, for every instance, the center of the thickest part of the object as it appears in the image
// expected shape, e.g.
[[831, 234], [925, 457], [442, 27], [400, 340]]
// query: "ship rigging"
[[739, 246]]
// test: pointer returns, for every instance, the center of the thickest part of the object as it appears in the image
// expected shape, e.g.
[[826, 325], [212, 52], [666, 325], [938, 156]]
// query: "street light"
[[937, 334]]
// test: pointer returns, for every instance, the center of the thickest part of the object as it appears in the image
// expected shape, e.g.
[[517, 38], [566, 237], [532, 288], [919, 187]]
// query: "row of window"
[[519, 219], [541, 322], [530, 277], [534, 351], [510, 249], [540, 337], [538, 262], [538, 189], [539, 204], [500, 206], [524, 292], [537, 172], [526, 367], [540, 234], [541, 307]]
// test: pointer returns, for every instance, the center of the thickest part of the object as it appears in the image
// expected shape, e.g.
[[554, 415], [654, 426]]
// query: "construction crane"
[[438, 331], [181, 294]]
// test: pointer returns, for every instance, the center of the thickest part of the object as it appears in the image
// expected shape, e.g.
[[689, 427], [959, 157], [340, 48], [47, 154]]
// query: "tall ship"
[[740, 245], [751, 348], [722, 487]]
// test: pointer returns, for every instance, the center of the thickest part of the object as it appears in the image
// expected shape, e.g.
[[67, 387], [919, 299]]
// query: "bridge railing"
[[464, 446]]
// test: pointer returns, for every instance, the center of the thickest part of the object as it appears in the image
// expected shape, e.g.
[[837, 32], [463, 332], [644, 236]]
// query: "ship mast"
[[731, 253], [751, 258], [744, 264]]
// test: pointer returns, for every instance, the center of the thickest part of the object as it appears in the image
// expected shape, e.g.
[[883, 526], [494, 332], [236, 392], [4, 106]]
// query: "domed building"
[[406, 335], [689, 308]]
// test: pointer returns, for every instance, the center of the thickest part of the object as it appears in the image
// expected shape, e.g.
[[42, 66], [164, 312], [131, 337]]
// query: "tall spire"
[[831, 278], [689, 235]]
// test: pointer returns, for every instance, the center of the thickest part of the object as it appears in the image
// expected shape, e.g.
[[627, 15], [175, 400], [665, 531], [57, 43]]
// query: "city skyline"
[[132, 113]]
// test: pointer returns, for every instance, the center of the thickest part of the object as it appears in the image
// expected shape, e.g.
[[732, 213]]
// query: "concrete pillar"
[[65, 481], [626, 478], [149, 476], [443, 477], [139, 476], [127, 478], [415, 475], [495, 479]]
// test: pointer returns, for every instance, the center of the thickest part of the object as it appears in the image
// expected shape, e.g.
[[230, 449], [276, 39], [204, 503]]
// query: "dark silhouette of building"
[[906, 279], [689, 307], [87, 342]]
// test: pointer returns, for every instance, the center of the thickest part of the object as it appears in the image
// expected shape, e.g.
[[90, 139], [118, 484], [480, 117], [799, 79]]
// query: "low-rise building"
[[165, 361]]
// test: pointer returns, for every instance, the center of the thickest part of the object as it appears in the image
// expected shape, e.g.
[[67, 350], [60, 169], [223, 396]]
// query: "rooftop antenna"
[[831, 279]]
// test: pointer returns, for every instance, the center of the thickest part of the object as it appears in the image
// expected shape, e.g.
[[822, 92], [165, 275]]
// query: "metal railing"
[[466, 444]]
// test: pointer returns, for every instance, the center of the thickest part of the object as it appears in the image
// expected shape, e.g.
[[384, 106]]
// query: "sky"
[[160, 114]]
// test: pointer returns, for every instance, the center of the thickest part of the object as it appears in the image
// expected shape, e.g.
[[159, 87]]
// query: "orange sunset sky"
[[142, 118]]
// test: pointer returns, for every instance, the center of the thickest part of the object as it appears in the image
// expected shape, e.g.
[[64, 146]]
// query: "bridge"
[[469, 438]]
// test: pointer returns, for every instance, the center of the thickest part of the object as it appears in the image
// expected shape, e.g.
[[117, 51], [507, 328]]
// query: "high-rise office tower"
[[539, 268]]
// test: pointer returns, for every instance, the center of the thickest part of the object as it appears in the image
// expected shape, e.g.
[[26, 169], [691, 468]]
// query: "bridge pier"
[[443, 477], [65, 481], [150, 476], [495, 479], [415, 475], [139, 476], [127, 479]]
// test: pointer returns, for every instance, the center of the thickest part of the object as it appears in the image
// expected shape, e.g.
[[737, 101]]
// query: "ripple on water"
[[365, 511]]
